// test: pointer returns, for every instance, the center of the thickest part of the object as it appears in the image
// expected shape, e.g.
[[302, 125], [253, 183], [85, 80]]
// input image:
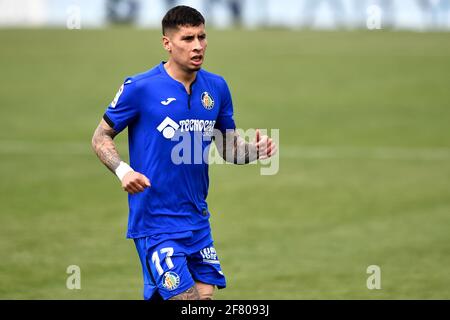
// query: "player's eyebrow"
[[191, 36], [187, 37]]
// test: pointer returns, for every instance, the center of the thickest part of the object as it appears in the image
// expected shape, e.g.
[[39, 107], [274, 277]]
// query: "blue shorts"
[[172, 262]]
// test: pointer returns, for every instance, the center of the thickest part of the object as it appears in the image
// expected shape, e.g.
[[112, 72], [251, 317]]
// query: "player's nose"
[[197, 45]]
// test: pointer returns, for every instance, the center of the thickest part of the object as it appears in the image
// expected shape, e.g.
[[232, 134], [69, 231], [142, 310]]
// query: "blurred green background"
[[364, 173]]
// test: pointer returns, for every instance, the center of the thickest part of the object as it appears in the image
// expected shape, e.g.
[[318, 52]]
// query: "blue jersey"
[[156, 109]]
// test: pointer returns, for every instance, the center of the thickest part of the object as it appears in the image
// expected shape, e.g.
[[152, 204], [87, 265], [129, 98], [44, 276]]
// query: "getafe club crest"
[[171, 280], [207, 101]]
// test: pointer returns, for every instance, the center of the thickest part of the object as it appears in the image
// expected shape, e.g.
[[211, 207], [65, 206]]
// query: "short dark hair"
[[181, 16]]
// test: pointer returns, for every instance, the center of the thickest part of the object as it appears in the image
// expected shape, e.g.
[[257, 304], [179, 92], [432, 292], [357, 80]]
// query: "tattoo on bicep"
[[104, 146], [189, 294]]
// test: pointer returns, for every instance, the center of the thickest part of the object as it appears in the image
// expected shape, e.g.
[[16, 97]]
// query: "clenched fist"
[[265, 146], [135, 182]]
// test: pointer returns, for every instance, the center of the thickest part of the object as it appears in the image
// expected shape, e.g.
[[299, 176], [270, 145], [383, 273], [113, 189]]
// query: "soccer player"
[[168, 213]]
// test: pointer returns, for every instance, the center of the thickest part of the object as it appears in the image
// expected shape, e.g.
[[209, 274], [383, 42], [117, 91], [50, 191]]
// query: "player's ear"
[[166, 44]]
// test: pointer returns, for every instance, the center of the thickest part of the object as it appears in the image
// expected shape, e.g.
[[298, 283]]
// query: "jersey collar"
[[166, 74]]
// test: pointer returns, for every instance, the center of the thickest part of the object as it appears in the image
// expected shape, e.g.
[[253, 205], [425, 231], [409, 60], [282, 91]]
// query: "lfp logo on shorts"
[[207, 101], [171, 280]]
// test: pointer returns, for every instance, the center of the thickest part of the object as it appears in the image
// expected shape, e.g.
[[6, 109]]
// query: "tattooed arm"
[[105, 148], [234, 149]]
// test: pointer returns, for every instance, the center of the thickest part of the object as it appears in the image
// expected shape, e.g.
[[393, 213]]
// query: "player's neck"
[[186, 78]]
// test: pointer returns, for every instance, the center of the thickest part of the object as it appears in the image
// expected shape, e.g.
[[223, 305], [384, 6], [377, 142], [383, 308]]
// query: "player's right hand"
[[135, 182]]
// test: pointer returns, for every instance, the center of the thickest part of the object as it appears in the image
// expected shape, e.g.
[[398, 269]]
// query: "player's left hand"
[[265, 146]]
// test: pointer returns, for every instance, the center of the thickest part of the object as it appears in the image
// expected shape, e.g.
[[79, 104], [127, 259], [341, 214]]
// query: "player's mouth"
[[197, 60]]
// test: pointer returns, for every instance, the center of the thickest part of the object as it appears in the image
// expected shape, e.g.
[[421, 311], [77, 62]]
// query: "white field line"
[[9, 147], [376, 153]]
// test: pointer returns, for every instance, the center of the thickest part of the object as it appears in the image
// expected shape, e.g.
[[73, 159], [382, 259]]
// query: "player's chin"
[[195, 67]]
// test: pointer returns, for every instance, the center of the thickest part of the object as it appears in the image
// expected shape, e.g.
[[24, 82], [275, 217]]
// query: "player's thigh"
[[205, 268], [190, 294], [168, 265], [205, 290]]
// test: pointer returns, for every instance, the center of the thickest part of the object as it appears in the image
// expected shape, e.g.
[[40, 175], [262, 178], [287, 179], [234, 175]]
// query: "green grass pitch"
[[364, 177]]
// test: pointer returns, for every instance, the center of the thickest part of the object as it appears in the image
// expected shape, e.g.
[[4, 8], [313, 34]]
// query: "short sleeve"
[[225, 119], [124, 109]]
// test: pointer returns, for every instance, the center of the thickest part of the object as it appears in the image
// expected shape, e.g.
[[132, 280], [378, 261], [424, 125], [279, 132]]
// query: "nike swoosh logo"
[[168, 101]]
